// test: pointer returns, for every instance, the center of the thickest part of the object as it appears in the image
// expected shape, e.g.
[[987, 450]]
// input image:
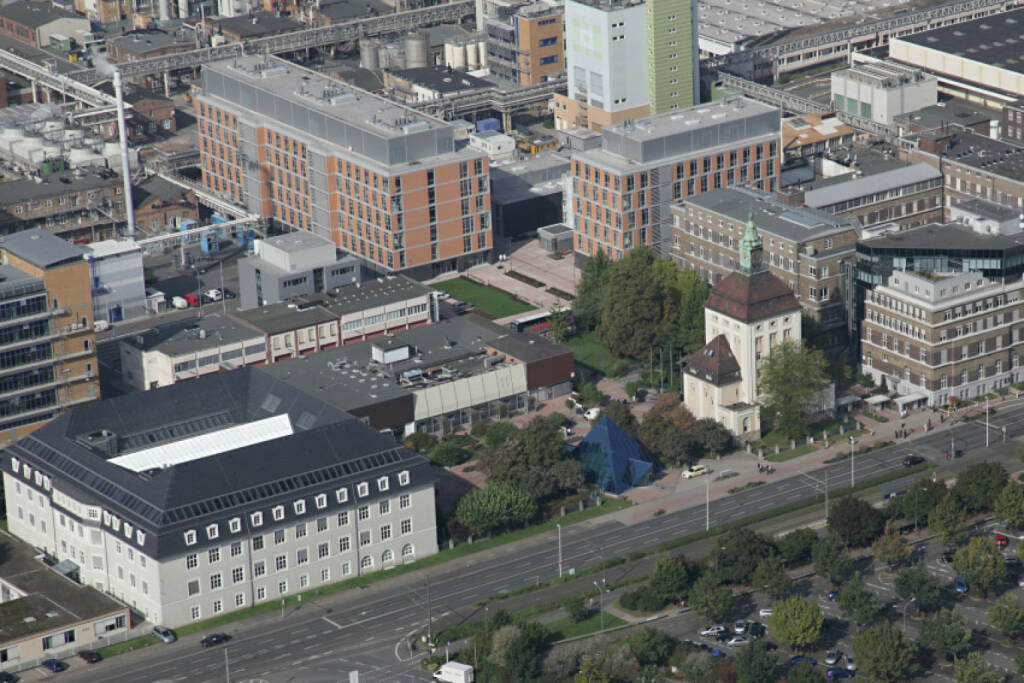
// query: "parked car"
[[90, 656], [213, 294], [959, 585], [712, 630], [850, 664], [766, 612], [165, 634], [836, 673], [833, 594], [946, 557], [592, 414], [757, 630], [8, 677], [54, 665], [214, 639], [740, 627], [912, 460], [193, 300], [179, 302], [892, 495], [833, 656], [736, 641], [1002, 541], [1020, 582], [695, 471], [800, 659]]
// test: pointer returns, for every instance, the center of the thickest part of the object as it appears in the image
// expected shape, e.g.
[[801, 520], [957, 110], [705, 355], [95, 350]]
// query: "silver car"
[[165, 634]]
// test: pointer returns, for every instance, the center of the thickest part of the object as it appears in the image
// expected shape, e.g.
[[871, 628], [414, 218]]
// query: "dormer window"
[[363, 489], [403, 478], [342, 495], [278, 512], [300, 507], [321, 501], [190, 537], [383, 484], [212, 531], [235, 525], [256, 518]]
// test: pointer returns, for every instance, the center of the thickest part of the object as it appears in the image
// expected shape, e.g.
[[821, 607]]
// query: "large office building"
[[380, 180], [673, 77], [525, 42], [606, 64], [933, 336], [621, 190], [184, 506], [48, 363], [802, 247]]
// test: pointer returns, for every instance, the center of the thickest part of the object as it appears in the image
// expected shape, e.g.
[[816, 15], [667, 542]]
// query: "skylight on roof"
[[205, 445]]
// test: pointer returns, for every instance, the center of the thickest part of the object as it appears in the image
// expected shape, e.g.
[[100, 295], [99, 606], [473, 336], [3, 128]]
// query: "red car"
[[192, 299], [1002, 541]]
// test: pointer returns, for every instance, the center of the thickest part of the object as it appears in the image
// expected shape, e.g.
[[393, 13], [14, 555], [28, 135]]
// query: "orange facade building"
[[382, 181]]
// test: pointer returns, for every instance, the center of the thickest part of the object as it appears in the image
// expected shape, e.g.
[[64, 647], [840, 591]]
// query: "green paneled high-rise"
[[673, 63]]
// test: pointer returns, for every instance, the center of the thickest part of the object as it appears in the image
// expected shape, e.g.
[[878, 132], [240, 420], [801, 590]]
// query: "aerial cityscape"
[[498, 341]]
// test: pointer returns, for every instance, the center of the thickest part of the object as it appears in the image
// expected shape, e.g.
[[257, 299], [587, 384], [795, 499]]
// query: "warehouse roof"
[[869, 185], [995, 40]]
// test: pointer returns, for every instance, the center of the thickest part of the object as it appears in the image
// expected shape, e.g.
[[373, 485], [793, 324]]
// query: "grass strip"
[[484, 298]]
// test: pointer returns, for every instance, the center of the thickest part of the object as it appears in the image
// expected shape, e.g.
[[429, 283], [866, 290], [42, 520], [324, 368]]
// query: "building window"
[[190, 537], [278, 512], [212, 531], [235, 525], [257, 542], [261, 593], [256, 518], [323, 550], [281, 563], [346, 568], [363, 489], [259, 569], [321, 525], [407, 551], [366, 563], [192, 561], [237, 575], [321, 501], [383, 484], [384, 506], [236, 549], [343, 519], [325, 574], [385, 532], [344, 544], [282, 587], [387, 556], [214, 555], [196, 612], [341, 495], [218, 607], [406, 526], [193, 587], [300, 507], [404, 501], [239, 599], [300, 530], [302, 556], [215, 581], [403, 478]]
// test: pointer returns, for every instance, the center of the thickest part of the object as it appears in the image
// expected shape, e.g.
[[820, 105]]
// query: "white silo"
[[416, 49], [482, 46], [369, 57], [458, 56], [472, 57]]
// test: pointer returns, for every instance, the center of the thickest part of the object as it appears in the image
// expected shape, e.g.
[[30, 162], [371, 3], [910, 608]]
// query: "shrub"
[[449, 454], [420, 442], [576, 608]]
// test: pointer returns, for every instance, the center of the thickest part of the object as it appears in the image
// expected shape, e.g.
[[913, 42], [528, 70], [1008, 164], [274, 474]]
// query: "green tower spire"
[[751, 248]]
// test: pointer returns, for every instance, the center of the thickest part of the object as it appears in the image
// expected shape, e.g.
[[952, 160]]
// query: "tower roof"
[[715, 363], [752, 296]]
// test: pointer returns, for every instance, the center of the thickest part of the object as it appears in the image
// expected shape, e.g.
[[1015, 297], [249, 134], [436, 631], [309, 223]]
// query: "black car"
[[756, 630], [90, 656], [214, 639], [7, 677], [912, 460]]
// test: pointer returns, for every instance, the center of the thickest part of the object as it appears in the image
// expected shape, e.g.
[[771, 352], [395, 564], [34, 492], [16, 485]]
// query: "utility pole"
[[987, 425], [707, 504], [600, 595], [227, 667], [852, 442], [559, 550], [223, 299], [430, 617]]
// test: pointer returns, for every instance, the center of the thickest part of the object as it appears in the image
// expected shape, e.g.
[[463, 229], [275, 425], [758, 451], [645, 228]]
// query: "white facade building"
[[880, 91], [118, 280]]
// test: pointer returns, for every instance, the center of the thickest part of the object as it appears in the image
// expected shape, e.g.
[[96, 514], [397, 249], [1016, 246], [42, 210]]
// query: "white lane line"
[[332, 623]]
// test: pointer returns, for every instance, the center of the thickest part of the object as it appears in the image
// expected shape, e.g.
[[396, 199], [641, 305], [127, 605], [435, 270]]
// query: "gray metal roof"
[[145, 41], [868, 185], [194, 335], [995, 40], [369, 294], [987, 209], [771, 216], [35, 14], [256, 24], [27, 189], [285, 316], [300, 240], [41, 248], [14, 282], [935, 237]]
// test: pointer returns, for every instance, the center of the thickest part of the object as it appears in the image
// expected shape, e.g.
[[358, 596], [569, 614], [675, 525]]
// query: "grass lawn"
[[487, 300], [563, 628], [590, 352], [791, 453]]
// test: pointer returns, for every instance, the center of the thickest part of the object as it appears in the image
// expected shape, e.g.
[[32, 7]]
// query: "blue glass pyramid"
[[612, 458]]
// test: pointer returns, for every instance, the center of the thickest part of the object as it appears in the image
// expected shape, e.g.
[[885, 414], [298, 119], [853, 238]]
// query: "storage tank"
[[369, 57], [482, 47], [458, 57], [472, 57], [391, 57], [416, 50]]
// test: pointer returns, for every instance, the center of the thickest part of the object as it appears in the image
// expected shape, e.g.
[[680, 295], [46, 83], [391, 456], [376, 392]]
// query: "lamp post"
[[559, 550], [905, 614], [852, 443], [707, 504], [600, 595]]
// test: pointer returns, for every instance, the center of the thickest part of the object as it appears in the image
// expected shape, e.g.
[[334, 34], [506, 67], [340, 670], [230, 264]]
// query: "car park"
[[54, 665], [712, 630], [959, 585], [766, 612], [833, 656], [736, 641], [90, 656], [165, 634], [740, 627], [695, 471], [214, 639], [912, 460]]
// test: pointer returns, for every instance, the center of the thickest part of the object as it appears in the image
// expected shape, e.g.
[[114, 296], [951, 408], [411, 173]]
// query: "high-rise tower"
[[673, 78]]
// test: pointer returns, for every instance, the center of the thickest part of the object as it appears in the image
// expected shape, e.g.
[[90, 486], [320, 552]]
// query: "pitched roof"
[[612, 457], [752, 297], [715, 363]]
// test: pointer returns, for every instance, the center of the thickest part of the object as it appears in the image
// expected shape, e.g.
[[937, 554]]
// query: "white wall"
[[609, 68]]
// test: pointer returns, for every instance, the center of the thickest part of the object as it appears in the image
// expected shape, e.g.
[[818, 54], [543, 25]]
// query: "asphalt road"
[[363, 629]]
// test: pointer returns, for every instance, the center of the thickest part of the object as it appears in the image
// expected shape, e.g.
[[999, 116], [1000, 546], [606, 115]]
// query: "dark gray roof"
[[944, 236], [155, 186], [442, 79], [987, 209], [352, 9], [35, 14], [27, 189], [328, 449], [528, 347], [285, 316], [41, 248], [359, 297], [146, 41], [994, 157], [771, 216], [266, 23], [953, 110], [870, 184], [995, 40], [193, 335]]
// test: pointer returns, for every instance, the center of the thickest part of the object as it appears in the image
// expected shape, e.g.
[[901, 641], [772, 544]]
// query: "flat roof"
[[27, 189], [36, 14], [729, 110], [771, 216], [294, 242], [255, 24], [41, 248], [954, 110], [361, 296], [943, 236], [107, 248], [144, 41], [442, 79], [808, 129], [15, 282], [987, 209], [194, 335], [995, 157], [51, 603], [285, 316], [883, 73], [997, 40], [352, 9], [871, 184]]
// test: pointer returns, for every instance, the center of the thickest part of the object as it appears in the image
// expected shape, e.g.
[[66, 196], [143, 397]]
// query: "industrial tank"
[[472, 56], [416, 50], [368, 54]]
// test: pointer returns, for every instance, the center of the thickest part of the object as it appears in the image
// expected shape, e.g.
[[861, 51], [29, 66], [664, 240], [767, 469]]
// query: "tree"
[[755, 663], [590, 290], [739, 553], [891, 547], [979, 485], [576, 608], [448, 454], [972, 669], [949, 519], [637, 315], [499, 432], [671, 578], [621, 415], [831, 558], [856, 522], [1009, 506], [1007, 616], [804, 673], [921, 498], [883, 653], [699, 667], [561, 324], [693, 292], [947, 634], [651, 646], [771, 577], [796, 622], [858, 603], [918, 584], [796, 546], [500, 505], [535, 460], [790, 376], [980, 563], [712, 437], [710, 597], [523, 657]]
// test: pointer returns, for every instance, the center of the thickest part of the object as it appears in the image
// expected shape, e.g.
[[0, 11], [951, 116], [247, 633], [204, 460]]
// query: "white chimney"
[[126, 170]]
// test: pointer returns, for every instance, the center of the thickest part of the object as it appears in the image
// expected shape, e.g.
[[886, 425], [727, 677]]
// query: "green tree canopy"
[[590, 290], [980, 563], [693, 293], [884, 655], [651, 646], [797, 545], [638, 315], [789, 378], [534, 459], [499, 432], [619, 413], [856, 522], [979, 485], [858, 603], [671, 578], [949, 519], [1007, 616], [796, 622], [804, 673], [738, 554], [1009, 506], [921, 498], [947, 633], [891, 547], [972, 669], [498, 506], [755, 663], [771, 577], [710, 597], [831, 558], [915, 582]]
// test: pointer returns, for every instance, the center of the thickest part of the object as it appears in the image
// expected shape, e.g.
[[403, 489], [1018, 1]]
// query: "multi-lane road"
[[361, 629]]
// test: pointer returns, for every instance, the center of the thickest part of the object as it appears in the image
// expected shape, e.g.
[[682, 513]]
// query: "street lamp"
[[905, 614], [707, 504], [852, 442], [559, 550], [600, 595]]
